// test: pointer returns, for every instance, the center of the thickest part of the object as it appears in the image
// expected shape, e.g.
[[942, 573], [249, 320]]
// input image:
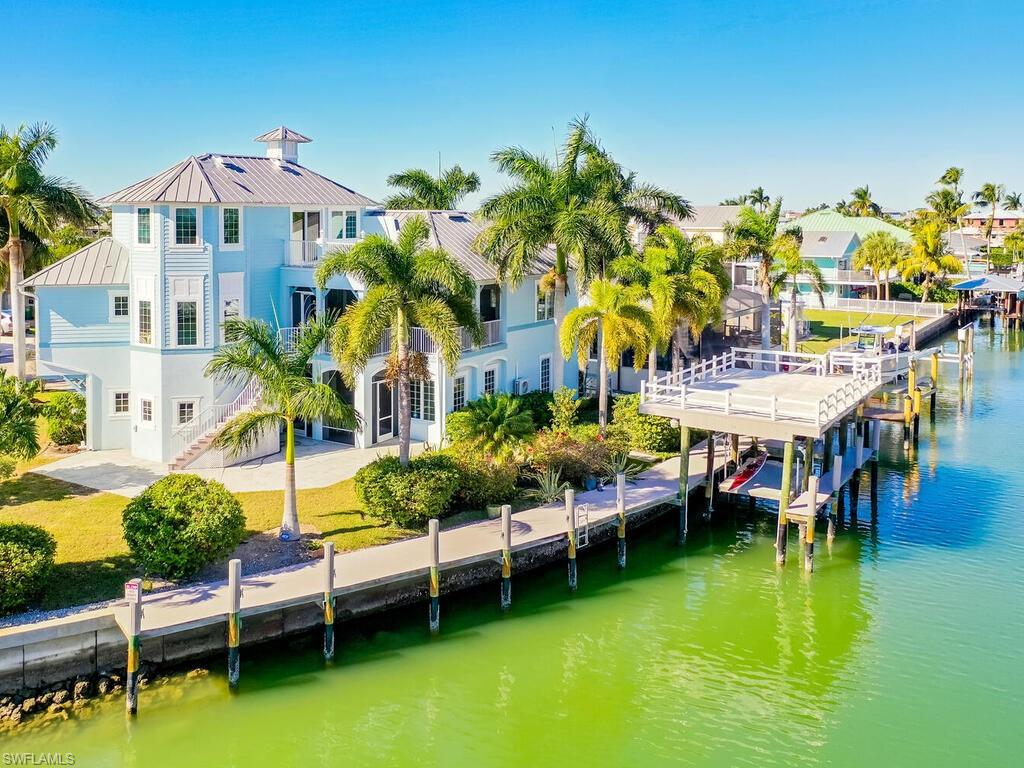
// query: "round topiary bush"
[[26, 561], [65, 417], [408, 496], [182, 523]]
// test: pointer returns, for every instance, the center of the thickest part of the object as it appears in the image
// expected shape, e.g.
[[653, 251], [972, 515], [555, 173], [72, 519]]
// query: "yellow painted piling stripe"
[[328, 608], [506, 564], [572, 545], [434, 583], [134, 644], [234, 630]]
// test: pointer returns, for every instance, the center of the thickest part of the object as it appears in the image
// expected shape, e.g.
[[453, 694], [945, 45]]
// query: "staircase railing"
[[212, 417]]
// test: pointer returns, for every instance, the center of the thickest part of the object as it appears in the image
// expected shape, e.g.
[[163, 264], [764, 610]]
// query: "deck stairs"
[[195, 437]]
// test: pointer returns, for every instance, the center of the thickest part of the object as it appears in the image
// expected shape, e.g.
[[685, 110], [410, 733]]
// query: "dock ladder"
[[582, 525]]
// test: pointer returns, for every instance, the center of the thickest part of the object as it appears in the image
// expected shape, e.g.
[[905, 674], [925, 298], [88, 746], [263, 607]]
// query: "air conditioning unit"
[[522, 386]]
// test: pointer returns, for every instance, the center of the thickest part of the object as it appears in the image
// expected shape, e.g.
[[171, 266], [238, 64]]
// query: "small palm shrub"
[[495, 424], [182, 523], [650, 434], [408, 496], [26, 562], [65, 417]]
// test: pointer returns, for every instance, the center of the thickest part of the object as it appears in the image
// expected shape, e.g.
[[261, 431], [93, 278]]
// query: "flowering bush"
[[576, 453], [651, 434]]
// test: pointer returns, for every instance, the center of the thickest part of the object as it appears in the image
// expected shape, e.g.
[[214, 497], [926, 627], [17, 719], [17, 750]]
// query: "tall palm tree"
[[424, 192], [880, 253], [558, 204], [686, 282], [288, 393], [618, 320], [408, 284], [789, 268], [929, 259], [990, 194], [861, 203], [1014, 243], [754, 236], [32, 200], [952, 178], [758, 198], [1012, 201], [19, 431], [738, 200]]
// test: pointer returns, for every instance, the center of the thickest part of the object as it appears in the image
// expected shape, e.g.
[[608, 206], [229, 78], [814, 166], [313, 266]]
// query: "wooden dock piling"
[[506, 556], [684, 482], [133, 595], [787, 480], [234, 620], [328, 600], [434, 542], [620, 508], [908, 415], [935, 385], [809, 543], [570, 527], [709, 476], [837, 491], [917, 413]]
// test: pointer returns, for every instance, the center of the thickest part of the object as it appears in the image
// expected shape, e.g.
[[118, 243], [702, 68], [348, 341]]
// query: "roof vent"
[[283, 143]]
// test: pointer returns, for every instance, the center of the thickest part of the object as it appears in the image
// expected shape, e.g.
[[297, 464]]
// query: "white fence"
[[682, 390], [869, 306]]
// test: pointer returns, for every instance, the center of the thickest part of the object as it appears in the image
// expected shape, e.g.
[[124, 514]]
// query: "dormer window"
[[186, 226], [143, 226]]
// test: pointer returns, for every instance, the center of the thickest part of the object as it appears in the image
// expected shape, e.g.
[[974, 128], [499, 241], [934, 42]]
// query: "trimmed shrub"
[[576, 454], [565, 408], [538, 403], [182, 523], [650, 434], [65, 417], [408, 496], [26, 562], [483, 481]]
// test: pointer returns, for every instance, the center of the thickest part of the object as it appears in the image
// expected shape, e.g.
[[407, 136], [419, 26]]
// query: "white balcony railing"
[[303, 253]]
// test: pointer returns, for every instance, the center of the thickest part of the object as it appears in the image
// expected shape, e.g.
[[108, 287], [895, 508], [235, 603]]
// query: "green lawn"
[[829, 328]]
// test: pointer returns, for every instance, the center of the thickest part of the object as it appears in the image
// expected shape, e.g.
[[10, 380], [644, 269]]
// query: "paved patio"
[[317, 464]]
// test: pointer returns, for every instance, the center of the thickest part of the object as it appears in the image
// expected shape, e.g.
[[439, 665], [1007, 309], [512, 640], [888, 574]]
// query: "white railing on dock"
[[212, 417], [912, 308], [681, 390]]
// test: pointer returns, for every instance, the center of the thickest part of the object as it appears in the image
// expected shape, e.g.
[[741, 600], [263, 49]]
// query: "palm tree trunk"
[[878, 287], [290, 518], [558, 369], [677, 348], [926, 286], [766, 316], [17, 273], [404, 404], [652, 364], [602, 386], [791, 336]]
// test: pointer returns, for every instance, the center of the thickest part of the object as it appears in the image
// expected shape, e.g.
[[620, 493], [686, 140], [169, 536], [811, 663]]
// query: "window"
[[186, 226], [118, 307], [184, 411], [187, 313], [545, 303], [143, 227], [459, 393], [120, 403], [490, 380], [545, 373], [145, 322], [146, 410], [230, 298], [421, 396], [343, 225], [231, 226]]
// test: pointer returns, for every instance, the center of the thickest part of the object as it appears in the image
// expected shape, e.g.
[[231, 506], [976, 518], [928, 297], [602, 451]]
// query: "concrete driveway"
[[317, 465]]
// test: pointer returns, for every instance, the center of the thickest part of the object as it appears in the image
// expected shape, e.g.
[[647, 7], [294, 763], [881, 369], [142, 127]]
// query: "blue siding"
[[77, 315]]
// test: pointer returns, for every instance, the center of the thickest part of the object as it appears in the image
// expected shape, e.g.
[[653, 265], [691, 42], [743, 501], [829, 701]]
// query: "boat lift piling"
[[434, 543], [571, 528], [328, 600], [234, 621], [620, 509], [506, 556]]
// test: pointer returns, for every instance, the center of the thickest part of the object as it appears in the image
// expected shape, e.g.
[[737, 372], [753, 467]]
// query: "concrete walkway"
[[206, 604], [317, 465]]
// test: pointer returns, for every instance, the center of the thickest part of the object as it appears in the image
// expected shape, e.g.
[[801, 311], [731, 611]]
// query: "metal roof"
[[827, 244], [103, 262], [997, 283], [245, 179], [283, 133], [831, 221], [455, 232], [709, 217]]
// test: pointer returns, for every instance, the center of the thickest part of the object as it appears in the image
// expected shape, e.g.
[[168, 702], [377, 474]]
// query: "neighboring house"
[[832, 221], [710, 220], [134, 318], [832, 253], [1003, 223]]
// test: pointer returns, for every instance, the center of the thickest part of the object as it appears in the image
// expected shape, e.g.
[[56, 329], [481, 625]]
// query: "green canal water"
[[903, 649]]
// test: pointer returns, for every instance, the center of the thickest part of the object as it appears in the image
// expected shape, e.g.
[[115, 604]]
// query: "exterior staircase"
[[195, 437]]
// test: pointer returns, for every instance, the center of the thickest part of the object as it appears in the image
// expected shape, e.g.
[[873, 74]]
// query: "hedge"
[[650, 434], [65, 416], [26, 562], [408, 496]]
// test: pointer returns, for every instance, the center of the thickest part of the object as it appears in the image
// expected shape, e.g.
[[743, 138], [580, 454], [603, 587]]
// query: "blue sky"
[[808, 99]]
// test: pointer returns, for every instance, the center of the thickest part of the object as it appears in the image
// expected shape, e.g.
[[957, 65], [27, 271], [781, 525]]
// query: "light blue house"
[[135, 317]]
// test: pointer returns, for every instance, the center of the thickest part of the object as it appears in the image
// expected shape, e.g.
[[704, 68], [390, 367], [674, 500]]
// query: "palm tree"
[[1012, 201], [754, 236], [288, 393], [758, 198], [862, 204], [424, 192], [952, 178], [738, 200], [496, 424], [929, 258], [790, 268], [990, 194], [685, 280], [1014, 243], [408, 284], [32, 200], [617, 320], [559, 204], [19, 431], [880, 253]]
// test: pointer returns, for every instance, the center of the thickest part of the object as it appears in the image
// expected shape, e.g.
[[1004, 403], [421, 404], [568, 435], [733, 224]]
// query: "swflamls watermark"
[[38, 758]]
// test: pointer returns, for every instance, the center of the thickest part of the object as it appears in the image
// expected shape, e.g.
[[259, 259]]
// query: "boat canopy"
[[993, 283]]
